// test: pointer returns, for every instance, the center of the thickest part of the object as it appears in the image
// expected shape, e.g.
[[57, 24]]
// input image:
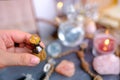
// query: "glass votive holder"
[[104, 42]]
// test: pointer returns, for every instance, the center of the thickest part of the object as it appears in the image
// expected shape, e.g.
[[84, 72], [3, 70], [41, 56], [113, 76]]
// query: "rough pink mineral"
[[66, 68], [107, 64]]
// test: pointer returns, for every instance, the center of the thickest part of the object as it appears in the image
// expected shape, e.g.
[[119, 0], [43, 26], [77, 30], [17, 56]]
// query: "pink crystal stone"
[[66, 68], [107, 64]]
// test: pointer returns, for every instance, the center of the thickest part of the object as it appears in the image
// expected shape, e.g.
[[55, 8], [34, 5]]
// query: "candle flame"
[[106, 42], [60, 5], [105, 48], [107, 32]]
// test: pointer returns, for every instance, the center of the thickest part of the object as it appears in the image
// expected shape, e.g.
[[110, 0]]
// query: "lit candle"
[[104, 43]]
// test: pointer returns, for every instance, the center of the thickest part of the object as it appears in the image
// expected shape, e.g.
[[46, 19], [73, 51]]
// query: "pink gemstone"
[[107, 64], [66, 68]]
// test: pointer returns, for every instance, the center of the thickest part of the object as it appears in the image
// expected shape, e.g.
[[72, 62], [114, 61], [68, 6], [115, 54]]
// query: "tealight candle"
[[104, 43]]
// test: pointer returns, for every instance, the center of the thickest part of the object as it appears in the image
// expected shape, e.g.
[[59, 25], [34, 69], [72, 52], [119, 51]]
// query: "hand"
[[16, 56]]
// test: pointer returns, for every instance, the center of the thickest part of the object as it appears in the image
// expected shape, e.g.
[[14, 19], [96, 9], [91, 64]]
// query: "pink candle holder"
[[104, 43]]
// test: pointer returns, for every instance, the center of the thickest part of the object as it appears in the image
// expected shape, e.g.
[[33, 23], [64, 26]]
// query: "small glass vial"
[[37, 49]]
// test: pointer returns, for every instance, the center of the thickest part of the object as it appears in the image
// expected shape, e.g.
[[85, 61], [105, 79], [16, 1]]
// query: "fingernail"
[[35, 60], [42, 44]]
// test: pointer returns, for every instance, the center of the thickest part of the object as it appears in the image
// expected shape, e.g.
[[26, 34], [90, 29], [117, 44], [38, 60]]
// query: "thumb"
[[23, 59]]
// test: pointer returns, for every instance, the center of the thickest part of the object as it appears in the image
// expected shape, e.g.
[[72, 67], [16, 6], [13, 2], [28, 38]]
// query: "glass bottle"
[[71, 32]]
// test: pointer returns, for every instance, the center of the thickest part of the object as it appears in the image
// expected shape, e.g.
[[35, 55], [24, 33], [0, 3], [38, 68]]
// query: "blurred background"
[[39, 15]]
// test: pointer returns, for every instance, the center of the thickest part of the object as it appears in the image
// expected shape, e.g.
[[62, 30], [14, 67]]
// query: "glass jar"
[[71, 32]]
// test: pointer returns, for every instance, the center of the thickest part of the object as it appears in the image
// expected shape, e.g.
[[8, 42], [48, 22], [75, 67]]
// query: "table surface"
[[13, 73]]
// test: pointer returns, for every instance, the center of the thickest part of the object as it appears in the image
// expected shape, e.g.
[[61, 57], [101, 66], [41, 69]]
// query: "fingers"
[[2, 45], [16, 35], [19, 36], [19, 50], [9, 37], [24, 59], [22, 50], [42, 44]]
